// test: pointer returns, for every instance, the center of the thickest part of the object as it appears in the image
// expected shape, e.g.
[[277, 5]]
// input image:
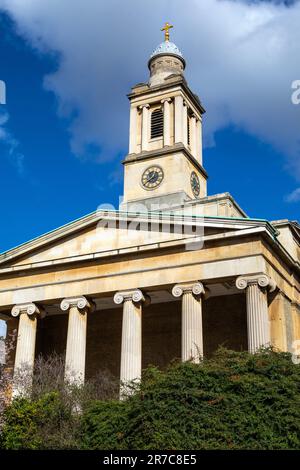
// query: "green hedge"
[[232, 401]]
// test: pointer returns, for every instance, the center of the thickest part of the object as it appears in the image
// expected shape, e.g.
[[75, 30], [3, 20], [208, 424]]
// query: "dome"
[[166, 47]]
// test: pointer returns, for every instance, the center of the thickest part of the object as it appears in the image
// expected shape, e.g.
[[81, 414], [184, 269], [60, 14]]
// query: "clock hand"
[[150, 177]]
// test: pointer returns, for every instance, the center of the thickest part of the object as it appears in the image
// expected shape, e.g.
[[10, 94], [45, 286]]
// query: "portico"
[[161, 300]]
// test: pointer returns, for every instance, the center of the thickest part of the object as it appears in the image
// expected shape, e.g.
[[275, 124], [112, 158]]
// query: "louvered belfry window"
[[157, 123], [188, 131]]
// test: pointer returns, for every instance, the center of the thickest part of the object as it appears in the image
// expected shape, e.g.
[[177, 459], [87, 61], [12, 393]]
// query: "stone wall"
[[52, 335], [225, 323], [104, 342], [161, 333]]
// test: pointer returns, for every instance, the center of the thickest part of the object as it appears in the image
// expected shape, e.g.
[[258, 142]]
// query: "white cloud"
[[242, 58], [294, 196], [12, 145]]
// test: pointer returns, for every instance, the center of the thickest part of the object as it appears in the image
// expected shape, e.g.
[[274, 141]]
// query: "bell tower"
[[164, 165]]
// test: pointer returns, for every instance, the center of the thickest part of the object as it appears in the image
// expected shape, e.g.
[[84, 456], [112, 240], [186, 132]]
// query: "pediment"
[[107, 233]]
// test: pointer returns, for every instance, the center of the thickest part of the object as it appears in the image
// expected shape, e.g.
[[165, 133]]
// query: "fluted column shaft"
[[131, 359], [25, 349], [145, 126], [192, 331], [76, 339], [257, 318], [131, 346], [258, 324], [167, 121]]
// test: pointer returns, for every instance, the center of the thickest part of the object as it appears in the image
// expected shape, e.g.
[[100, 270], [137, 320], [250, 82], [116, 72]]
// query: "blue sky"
[[66, 118]]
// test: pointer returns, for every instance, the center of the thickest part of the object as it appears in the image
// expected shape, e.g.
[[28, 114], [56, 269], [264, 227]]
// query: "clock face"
[[195, 184], [152, 177]]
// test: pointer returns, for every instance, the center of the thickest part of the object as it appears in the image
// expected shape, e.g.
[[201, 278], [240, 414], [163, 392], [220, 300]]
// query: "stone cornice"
[[81, 303], [296, 306], [30, 309], [160, 153], [292, 225], [260, 279], [173, 82]]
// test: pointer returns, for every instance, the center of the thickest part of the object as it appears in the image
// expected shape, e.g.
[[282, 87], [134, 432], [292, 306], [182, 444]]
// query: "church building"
[[173, 273]]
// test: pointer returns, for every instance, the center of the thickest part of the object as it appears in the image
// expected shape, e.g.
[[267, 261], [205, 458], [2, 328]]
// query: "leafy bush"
[[232, 401], [45, 423], [47, 414], [104, 425]]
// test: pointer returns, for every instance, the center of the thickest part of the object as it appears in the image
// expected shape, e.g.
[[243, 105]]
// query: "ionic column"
[[133, 130], [145, 126], [25, 350], [258, 323], [131, 347], [192, 334], [178, 118], [193, 136], [167, 118], [78, 308], [185, 124]]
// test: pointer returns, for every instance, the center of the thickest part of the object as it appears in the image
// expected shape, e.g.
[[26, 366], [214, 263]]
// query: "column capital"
[[195, 288], [136, 296], [81, 303], [30, 309], [262, 280], [147, 106], [166, 100]]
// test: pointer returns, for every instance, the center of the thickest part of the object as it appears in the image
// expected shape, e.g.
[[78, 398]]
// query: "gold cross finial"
[[166, 29]]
